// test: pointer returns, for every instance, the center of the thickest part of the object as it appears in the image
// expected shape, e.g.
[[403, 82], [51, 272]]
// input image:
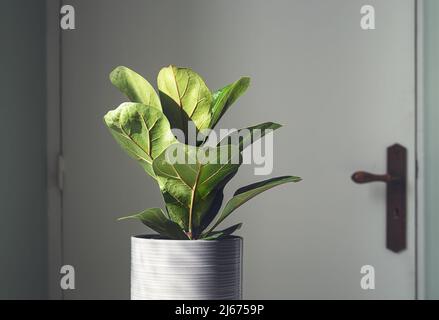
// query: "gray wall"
[[431, 41], [23, 252]]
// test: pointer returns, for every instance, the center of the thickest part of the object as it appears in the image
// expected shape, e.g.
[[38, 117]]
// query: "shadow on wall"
[[23, 248]]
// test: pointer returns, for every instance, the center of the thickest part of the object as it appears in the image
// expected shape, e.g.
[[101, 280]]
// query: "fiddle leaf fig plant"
[[193, 189]]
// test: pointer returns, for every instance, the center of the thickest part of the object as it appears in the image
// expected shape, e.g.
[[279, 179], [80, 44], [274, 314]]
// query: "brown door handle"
[[396, 181], [366, 177]]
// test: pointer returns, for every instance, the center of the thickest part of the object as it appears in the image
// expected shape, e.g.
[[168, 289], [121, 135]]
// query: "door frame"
[[420, 292], [55, 163], [54, 147]]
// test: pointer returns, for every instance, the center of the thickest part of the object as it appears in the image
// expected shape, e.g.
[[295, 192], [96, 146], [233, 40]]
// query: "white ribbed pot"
[[186, 269]]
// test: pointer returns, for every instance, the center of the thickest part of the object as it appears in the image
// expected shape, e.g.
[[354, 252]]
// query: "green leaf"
[[155, 219], [225, 97], [142, 131], [191, 186], [215, 235], [135, 87], [184, 96], [245, 137], [244, 194]]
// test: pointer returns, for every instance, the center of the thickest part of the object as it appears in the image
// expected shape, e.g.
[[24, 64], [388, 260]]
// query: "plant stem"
[[191, 209]]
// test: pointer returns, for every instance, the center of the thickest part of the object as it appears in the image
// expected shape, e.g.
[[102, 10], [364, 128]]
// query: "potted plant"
[[189, 258]]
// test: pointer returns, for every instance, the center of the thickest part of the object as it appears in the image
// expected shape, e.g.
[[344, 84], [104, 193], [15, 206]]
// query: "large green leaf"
[[155, 219], [225, 97], [246, 193], [135, 87], [215, 235], [245, 137], [193, 186], [184, 96], [142, 131]]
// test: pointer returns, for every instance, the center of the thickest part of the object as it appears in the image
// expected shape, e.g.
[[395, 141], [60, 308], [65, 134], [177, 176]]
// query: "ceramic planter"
[[186, 269]]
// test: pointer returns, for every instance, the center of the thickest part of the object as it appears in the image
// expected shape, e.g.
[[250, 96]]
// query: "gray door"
[[342, 93]]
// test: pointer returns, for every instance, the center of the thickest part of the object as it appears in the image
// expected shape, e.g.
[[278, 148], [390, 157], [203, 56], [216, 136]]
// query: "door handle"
[[366, 177], [396, 194]]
